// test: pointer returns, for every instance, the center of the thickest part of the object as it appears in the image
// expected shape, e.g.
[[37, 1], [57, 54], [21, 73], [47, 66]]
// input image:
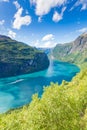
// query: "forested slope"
[[17, 58], [61, 107]]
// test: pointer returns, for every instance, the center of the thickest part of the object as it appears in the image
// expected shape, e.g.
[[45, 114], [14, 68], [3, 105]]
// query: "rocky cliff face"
[[18, 58], [74, 52], [80, 44]]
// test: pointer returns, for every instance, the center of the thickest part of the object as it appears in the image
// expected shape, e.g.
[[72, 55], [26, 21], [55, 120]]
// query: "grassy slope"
[[78, 58], [74, 52], [61, 107]]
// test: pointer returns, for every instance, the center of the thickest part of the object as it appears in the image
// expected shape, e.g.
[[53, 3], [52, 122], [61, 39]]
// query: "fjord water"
[[17, 91]]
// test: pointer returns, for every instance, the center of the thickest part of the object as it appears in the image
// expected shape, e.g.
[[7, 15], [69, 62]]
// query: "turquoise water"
[[17, 91]]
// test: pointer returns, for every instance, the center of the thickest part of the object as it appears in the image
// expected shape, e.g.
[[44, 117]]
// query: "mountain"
[[18, 58], [61, 107], [75, 52], [46, 50]]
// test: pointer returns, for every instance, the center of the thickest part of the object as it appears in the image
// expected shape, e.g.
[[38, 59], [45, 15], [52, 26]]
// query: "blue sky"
[[43, 23]]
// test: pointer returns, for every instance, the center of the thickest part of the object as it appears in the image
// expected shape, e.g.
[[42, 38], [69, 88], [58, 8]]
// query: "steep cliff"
[[18, 58], [75, 52]]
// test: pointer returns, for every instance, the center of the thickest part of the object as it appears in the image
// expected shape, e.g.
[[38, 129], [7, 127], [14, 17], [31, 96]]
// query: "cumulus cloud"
[[11, 34], [17, 5], [21, 20], [48, 41], [83, 4], [43, 7], [2, 22], [82, 30], [57, 17], [48, 37], [48, 44]]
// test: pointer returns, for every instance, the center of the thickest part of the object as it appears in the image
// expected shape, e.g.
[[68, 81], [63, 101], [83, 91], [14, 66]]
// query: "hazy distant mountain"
[[75, 51], [18, 58], [46, 50]]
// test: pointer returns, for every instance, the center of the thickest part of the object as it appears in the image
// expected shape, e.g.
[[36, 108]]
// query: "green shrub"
[[61, 107]]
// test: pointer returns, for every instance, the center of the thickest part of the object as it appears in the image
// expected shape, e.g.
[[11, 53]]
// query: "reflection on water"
[[17, 91]]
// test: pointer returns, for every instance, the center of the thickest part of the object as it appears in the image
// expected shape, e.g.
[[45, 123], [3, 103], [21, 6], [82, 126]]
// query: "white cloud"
[[11, 34], [17, 5], [21, 20], [82, 30], [83, 3], [48, 44], [48, 37], [47, 41], [43, 7], [57, 17], [2, 22]]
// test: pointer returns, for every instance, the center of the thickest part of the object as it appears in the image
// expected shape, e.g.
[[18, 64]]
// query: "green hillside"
[[61, 107], [74, 52], [18, 58]]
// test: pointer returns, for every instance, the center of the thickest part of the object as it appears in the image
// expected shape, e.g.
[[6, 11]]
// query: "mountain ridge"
[[18, 58], [74, 52]]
